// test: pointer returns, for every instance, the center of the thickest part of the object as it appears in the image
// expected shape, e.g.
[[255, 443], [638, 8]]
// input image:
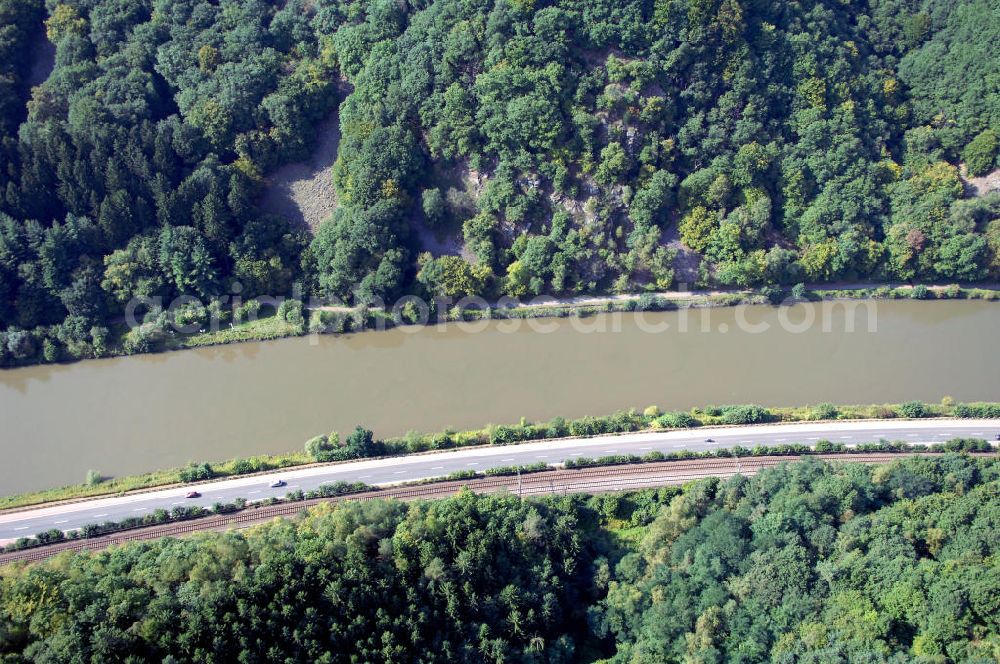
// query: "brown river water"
[[127, 415]]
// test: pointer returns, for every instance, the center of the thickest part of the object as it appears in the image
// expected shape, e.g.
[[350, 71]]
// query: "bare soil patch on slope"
[[303, 192], [982, 185]]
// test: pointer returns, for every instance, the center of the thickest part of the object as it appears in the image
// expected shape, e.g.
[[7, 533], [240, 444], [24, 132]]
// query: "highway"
[[384, 472]]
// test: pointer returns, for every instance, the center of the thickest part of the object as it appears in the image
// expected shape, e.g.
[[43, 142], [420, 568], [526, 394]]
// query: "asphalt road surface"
[[421, 466]]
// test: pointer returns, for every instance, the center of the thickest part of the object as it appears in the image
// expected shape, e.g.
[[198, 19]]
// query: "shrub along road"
[[387, 471]]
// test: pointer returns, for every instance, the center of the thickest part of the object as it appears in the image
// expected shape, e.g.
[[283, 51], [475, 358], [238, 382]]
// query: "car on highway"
[[192, 494], [277, 483], [710, 440]]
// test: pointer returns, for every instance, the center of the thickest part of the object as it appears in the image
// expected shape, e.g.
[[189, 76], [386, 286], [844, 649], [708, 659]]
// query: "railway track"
[[603, 479]]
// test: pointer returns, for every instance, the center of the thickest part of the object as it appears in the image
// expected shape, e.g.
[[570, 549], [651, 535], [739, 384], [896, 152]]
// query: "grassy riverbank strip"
[[292, 318], [346, 489], [362, 444]]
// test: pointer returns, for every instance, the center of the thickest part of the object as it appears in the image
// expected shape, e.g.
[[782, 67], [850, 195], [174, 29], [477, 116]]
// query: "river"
[[127, 415]]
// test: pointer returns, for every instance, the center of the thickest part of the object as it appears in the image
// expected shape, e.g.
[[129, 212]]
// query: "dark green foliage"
[[783, 142], [466, 579], [804, 562], [981, 153], [813, 562], [21, 22], [135, 169]]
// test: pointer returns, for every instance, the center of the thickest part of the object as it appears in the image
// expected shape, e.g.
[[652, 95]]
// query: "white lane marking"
[[645, 448], [98, 516], [714, 443], [438, 468], [542, 456], [977, 433], [364, 476], [21, 528], [253, 492], [140, 509], [610, 451], [781, 440], [912, 435], [505, 460], [944, 434], [745, 442], [399, 472], [813, 438], [63, 521], [844, 437], [676, 446], [474, 463], [576, 454], [179, 503]]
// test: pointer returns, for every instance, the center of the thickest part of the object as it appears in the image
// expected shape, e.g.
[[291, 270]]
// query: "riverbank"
[[329, 451], [296, 319]]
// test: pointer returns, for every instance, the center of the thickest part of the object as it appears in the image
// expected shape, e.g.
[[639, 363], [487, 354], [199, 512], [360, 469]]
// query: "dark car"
[[192, 494], [277, 483]]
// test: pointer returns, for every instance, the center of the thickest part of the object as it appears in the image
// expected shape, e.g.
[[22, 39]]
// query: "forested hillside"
[[808, 562], [570, 146]]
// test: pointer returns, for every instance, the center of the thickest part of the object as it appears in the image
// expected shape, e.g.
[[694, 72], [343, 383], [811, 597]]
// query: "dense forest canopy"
[[808, 562], [571, 146]]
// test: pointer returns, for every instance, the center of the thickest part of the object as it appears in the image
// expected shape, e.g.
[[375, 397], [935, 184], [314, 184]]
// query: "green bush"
[[197, 472], [190, 315], [556, 428], [502, 435], [442, 441], [336, 322], [291, 311], [981, 153], [826, 447], [824, 411], [246, 466], [747, 414], [514, 470], [678, 420], [913, 409], [990, 410], [920, 292], [145, 338], [965, 445], [50, 350], [434, 207], [247, 311], [585, 426], [321, 448]]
